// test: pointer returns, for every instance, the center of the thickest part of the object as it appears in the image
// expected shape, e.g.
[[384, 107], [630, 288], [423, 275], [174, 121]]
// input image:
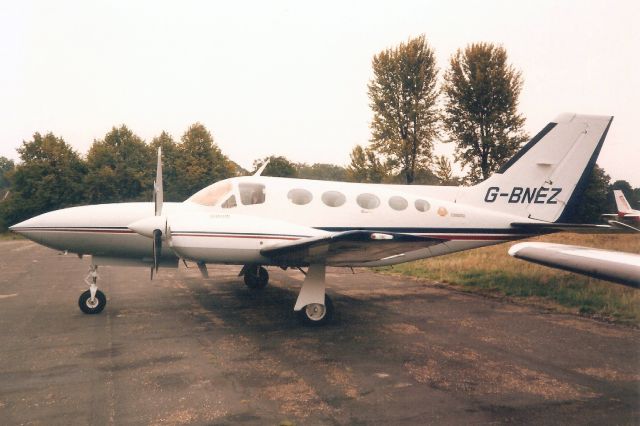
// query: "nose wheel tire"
[[256, 277], [316, 314], [92, 306]]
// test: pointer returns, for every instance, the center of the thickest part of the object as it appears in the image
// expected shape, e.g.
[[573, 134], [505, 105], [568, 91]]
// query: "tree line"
[[121, 167], [474, 107]]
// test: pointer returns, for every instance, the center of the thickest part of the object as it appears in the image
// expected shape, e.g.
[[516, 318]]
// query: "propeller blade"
[[157, 250], [158, 198]]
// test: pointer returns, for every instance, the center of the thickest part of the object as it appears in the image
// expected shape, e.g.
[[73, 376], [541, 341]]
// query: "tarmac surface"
[[186, 350]]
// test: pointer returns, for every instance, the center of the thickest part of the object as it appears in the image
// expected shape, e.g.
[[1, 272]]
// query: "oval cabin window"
[[398, 203], [368, 201], [300, 196], [333, 198], [422, 205]]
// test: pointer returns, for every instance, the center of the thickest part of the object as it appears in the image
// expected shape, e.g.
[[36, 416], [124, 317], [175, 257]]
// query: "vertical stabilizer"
[[547, 177], [621, 202]]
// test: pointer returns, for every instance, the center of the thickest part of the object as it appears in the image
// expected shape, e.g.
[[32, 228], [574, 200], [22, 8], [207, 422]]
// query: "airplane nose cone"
[[26, 225]]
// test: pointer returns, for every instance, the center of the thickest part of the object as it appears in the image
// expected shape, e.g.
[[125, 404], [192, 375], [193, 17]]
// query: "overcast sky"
[[290, 77]]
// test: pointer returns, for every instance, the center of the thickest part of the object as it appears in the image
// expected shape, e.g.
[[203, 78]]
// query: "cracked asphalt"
[[186, 350]]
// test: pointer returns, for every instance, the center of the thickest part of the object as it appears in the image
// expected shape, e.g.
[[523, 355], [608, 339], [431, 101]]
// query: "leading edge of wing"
[[346, 247], [619, 267]]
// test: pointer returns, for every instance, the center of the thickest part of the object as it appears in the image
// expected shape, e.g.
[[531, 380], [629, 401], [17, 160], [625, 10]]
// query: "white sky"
[[290, 78]]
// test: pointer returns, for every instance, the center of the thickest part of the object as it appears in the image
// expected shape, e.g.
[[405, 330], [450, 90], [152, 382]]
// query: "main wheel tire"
[[315, 314], [256, 277], [94, 306]]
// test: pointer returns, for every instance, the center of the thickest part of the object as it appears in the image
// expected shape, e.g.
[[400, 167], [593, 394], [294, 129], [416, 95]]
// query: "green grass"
[[492, 271]]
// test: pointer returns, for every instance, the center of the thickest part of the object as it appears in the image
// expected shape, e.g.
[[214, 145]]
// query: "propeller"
[[156, 226], [158, 200]]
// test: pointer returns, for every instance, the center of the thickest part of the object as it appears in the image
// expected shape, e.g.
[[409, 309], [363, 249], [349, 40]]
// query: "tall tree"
[[403, 98], [481, 117], [200, 162], [121, 168], [48, 177], [278, 166]]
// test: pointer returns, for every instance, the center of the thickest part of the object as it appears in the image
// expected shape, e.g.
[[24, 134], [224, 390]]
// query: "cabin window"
[[398, 203], [333, 198], [251, 193], [422, 205], [229, 202], [368, 201], [210, 195], [300, 196]]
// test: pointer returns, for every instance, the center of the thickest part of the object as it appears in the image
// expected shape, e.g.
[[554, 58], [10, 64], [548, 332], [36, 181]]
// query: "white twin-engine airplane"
[[258, 221]]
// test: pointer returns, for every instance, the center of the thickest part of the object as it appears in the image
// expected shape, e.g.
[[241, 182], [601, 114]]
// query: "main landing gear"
[[256, 277], [93, 300], [313, 307]]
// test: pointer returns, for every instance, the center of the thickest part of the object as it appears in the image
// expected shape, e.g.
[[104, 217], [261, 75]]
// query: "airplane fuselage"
[[232, 220]]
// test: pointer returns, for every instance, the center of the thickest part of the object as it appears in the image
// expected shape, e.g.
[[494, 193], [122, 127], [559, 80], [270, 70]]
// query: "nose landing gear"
[[93, 300]]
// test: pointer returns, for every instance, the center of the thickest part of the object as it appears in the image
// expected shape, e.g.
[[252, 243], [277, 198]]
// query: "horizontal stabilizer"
[[622, 225], [346, 248]]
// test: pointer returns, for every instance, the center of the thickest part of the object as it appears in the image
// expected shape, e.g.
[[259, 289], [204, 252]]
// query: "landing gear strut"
[[313, 306], [93, 300], [255, 276]]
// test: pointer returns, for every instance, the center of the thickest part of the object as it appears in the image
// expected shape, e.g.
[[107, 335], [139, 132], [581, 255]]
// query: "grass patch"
[[490, 270], [8, 236]]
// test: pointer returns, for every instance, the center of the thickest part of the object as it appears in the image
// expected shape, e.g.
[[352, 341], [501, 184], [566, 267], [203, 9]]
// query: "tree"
[[594, 199], [481, 116], [321, 171], [278, 166], [200, 162], [444, 171], [403, 99], [121, 168], [49, 177], [6, 166], [366, 167]]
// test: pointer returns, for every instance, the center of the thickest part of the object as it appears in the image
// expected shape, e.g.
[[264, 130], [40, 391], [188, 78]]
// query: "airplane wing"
[[619, 267], [346, 248], [614, 227]]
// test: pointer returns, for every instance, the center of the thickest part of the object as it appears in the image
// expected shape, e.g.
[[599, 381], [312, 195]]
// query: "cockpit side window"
[[229, 203], [212, 194], [251, 193]]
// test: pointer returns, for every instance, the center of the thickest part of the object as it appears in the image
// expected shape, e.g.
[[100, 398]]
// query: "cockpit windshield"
[[212, 194]]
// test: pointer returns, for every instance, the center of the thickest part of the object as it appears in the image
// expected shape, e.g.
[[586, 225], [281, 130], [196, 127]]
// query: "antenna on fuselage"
[[261, 169]]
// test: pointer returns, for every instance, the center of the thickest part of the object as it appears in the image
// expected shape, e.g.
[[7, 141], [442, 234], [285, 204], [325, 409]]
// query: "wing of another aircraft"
[[615, 266], [346, 248]]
